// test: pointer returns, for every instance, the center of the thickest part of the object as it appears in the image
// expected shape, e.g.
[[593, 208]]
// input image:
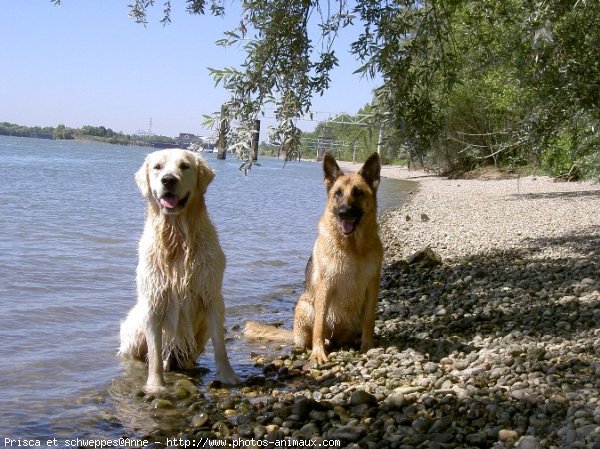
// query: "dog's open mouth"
[[349, 218], [348, 225], [170, 201]]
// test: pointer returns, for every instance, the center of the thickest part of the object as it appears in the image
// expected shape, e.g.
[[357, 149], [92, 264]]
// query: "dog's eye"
[[338, 194], [184, 165], [356, 192], [157, 167]]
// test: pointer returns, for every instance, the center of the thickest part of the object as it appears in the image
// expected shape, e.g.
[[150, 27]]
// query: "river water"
[[71, 217]]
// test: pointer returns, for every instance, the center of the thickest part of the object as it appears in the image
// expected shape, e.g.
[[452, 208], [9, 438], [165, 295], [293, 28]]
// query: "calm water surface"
[[71, 217]]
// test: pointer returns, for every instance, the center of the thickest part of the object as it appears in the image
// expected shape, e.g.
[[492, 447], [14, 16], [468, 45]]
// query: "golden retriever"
[[180, 271]]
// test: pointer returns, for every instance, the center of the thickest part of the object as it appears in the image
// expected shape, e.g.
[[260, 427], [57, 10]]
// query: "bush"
[[557, 158]]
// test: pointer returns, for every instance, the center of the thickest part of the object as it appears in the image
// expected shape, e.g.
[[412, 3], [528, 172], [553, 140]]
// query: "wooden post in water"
[[255, 138], [222, 134]]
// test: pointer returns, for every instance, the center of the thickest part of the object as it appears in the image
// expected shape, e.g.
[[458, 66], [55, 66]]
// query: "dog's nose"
[[346, 211], [168, 180]]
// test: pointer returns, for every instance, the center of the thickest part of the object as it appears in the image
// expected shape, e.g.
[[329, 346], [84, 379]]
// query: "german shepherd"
[[342, 275]]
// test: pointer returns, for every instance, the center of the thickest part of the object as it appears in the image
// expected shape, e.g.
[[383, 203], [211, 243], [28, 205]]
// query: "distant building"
[[186, 139]]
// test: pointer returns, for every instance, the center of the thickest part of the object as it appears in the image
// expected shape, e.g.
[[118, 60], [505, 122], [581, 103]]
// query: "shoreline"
[[496, 347]]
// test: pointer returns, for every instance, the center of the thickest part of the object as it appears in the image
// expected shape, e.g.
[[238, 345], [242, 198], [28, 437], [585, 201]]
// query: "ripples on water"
[[71, 217]]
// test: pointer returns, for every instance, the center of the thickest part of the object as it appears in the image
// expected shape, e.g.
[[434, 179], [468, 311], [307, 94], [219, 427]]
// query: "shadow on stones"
[[559, 195], [514, 292], [510, 298]]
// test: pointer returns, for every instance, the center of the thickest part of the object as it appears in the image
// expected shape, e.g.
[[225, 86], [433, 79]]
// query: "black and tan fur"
[[342, 276]]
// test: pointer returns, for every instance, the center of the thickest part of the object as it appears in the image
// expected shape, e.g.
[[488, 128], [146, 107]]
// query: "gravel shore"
[[496, 345]]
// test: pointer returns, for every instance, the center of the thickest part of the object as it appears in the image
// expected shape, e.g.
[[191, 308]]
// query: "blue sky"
[[87, 63]]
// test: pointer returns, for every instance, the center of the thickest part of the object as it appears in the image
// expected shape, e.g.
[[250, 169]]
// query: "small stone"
[[221, 429], [567, 299], [259, 432], [245, 431], [310, 429], [440, 311], [362, 397], [505, 435], [584, 431], [180, 393], [528, 442], [347, 433], [271, 428], [317, 415], [443, 438], [360, 409], [422, 425], [275, 436], [161, 403], [200, 419], [477, 439], [408, 390], [187, 385], [430, 367], [303, 406], [441, 424], [289, 424], [461, 364], [138, 393]]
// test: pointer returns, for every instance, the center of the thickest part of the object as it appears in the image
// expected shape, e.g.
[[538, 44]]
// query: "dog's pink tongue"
[[347, 226], [169, 201]]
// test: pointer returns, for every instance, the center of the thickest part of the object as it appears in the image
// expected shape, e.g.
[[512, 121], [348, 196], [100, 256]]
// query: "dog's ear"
[[331, 170], [370, 171], [205, 174], [142, 180]]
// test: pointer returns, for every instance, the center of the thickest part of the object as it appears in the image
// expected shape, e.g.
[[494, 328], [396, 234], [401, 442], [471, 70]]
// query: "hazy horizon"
[[88, 63]]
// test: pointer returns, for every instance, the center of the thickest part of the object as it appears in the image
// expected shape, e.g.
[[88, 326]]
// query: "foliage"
[[465, 82], [283, 66], [572, 153], [88, 132], [347, 142], [469, 83], [11, 129], [411, 44]]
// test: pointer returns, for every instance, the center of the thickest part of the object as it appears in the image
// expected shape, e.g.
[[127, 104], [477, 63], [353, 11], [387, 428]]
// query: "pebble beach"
[[492, 343]]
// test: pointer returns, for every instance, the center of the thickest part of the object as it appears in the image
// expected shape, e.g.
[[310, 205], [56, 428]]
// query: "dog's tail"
[[259, 331]]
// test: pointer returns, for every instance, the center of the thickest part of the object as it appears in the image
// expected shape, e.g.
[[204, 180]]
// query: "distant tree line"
[[10, 129], [96, 133]]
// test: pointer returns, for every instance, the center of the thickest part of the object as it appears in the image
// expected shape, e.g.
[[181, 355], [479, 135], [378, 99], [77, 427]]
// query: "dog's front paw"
[[366, 345], [228, 377], [318, 355], [155, 384], [154, 389]]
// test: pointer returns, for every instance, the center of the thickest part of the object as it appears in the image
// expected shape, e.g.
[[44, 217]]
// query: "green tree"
[[465, 82], [284, 66]]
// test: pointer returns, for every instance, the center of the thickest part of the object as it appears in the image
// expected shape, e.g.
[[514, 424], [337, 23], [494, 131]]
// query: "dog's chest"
[[176, 279], [346, 277]]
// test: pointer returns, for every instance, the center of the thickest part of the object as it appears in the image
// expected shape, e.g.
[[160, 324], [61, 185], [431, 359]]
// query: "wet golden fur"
[[180, 271], [342, 276]]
